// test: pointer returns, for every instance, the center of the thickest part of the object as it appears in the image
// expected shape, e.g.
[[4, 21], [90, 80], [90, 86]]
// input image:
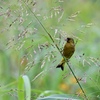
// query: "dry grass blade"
[[58, 50]]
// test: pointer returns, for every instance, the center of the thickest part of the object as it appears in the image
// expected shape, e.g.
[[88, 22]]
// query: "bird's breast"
[[68, 50]]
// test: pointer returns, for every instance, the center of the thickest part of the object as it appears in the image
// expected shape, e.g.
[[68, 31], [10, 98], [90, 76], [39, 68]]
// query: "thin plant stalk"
[[59, 51]]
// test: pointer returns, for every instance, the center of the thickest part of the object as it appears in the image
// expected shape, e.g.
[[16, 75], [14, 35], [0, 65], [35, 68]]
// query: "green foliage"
[[24, 82], [28, 56], [20, 89]]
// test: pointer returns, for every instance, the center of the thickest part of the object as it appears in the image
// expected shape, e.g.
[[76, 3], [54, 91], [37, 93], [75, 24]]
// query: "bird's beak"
[[66, 39]]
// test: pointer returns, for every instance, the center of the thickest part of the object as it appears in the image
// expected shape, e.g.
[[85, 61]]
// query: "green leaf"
[[27, 87], [24, 88], [59, 97], [20, 89]]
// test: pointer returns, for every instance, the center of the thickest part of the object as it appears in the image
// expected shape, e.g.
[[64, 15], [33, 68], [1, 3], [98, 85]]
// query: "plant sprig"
[[58, 50]]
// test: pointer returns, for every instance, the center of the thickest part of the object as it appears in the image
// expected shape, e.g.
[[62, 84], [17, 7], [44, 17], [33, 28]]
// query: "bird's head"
[[69, 40]]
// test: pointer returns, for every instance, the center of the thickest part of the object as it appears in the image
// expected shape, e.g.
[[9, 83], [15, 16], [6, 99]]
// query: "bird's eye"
[[68, 39]]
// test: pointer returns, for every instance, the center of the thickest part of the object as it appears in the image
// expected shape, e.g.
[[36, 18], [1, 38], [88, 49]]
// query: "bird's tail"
[[61, 65]]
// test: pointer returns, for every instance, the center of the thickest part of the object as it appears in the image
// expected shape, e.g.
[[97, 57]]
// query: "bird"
[[67, 52]]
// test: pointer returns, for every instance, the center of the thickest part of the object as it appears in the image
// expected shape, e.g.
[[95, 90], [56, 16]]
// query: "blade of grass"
[[20, 89], [27, 87], [24, 88], [58, 49]]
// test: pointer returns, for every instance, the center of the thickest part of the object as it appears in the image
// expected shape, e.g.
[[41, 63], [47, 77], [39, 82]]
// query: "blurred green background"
[[26, 48]]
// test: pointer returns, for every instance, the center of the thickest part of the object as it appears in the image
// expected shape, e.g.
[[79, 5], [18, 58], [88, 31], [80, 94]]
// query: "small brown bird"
[[68, 51]]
